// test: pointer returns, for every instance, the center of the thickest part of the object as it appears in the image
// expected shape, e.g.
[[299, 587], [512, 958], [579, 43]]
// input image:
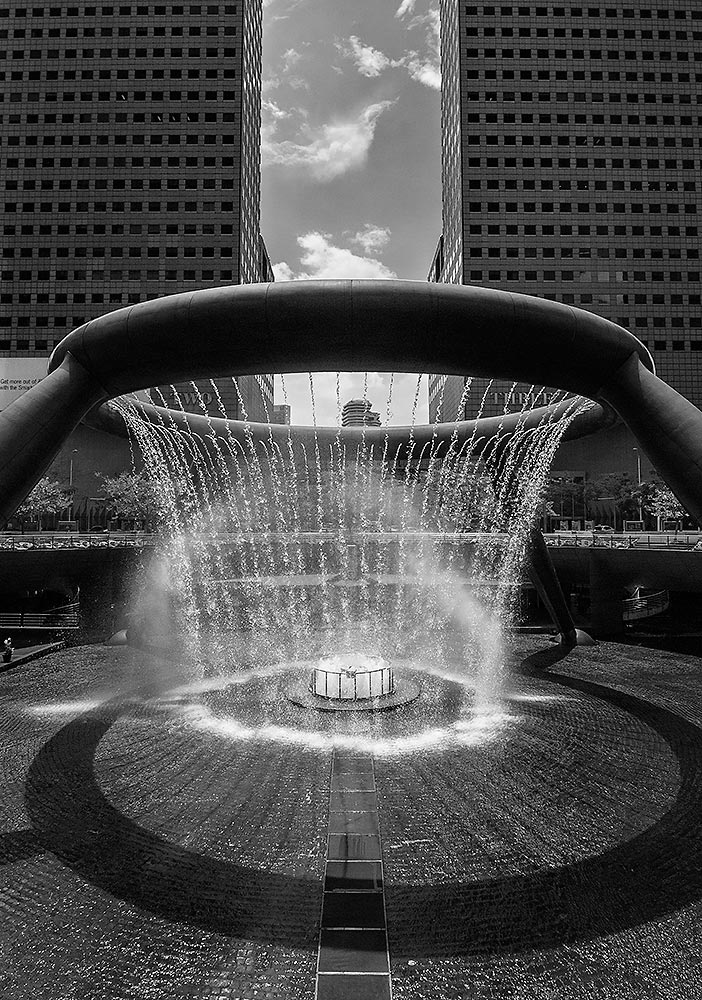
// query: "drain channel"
[[353, 961]]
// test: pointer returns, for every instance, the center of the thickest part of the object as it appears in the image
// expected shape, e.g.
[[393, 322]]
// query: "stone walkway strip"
[[353, 961]]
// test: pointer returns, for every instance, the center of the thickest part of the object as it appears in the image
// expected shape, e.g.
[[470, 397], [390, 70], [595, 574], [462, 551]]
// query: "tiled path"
[[353, 961]]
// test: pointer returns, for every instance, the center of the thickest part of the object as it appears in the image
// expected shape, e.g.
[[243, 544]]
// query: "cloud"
[[424, 68], [321, 258], [369, 61], [273, 111], [372, 239], [326, 151]]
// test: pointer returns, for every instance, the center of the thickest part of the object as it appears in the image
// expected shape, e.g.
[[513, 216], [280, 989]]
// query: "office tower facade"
[[130, 164], [571, 169], [359, 413]]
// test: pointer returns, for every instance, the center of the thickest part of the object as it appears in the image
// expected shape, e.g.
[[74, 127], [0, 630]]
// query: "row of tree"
[[132, 497], [570, 497]]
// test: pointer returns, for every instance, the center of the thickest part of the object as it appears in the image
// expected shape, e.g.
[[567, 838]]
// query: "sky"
[[351, 162]]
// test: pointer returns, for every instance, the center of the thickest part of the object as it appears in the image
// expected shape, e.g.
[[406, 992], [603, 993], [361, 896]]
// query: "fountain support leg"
[[542, 574]]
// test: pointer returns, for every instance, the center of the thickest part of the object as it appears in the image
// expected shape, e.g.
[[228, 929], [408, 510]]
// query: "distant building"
[[358, 413], [570, 162], [281, 414]]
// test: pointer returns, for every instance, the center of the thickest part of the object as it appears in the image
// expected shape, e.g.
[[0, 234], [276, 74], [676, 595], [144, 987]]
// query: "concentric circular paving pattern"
[[578, 821]]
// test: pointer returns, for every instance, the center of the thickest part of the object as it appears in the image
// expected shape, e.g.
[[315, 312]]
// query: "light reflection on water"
[[251, 705]]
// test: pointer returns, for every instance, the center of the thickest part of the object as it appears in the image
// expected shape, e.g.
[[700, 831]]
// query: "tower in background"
[[130, 167], [570, 170], [359, 413]]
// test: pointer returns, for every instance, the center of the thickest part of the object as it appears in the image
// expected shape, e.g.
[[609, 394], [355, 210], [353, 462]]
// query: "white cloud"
[[372, 239], [406, 7], [273, 111], [291, 57], [329, 150], [369, 61], [424, 68], [321, 258]]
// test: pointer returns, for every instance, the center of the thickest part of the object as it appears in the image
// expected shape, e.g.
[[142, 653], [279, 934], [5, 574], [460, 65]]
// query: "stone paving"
[[150, 849]]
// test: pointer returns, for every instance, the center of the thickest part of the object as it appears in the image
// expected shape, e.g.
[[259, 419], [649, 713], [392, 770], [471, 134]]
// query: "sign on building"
[[17, 375]]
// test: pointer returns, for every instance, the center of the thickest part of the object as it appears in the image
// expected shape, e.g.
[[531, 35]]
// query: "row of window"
[[590, 141], [587, 163], [179, 162], [567, 55], [87, 96], [138, 274], [128, 74], [131, 54], [588, 118], [572, 33], [661, 13], [578, 78], [172, 31], [584, 207], [591, 277], [602, 230], [563, 184], [580, 97], [118, 206], [190, 139], [117, 184], [100, 229], [80, 274], [135, 117], [507, 30], [123, 10]]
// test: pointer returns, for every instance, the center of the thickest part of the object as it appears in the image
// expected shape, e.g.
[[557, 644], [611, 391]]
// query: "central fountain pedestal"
[[352, 682], [351, 676]]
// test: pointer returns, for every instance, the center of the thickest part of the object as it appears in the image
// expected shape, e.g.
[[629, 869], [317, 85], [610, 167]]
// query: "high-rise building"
[[571, 170], [359, 413], [130, 165]]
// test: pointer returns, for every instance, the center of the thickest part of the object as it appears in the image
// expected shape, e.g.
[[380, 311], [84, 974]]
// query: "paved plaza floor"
[[166, 837]]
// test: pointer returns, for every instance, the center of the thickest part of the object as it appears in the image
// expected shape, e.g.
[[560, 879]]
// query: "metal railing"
[[66, 616], [690, 540], [645, 606], [74, 540]]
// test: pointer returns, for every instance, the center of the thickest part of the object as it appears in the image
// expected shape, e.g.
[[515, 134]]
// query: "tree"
[[628, 497], [620, 490], [47, 497], [564, 494], [662, 502], [131, 495]]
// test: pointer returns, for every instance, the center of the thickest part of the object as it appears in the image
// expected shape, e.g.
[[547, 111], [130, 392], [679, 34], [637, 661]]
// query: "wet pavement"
[[164, 840]]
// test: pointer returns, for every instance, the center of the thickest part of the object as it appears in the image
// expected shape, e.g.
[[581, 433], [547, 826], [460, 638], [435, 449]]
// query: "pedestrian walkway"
[[25, 654]]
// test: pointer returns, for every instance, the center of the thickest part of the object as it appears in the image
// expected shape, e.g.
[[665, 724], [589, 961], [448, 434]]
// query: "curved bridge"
[[352, 325]]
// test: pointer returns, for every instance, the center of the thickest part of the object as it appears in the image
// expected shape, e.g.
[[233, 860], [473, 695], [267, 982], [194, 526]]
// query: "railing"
[[74, 540], [66, 616], [691, 541], [646, 606]]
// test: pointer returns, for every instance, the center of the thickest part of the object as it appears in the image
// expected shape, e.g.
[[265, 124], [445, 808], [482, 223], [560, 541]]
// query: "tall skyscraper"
[[130, 165], [571, 170]]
